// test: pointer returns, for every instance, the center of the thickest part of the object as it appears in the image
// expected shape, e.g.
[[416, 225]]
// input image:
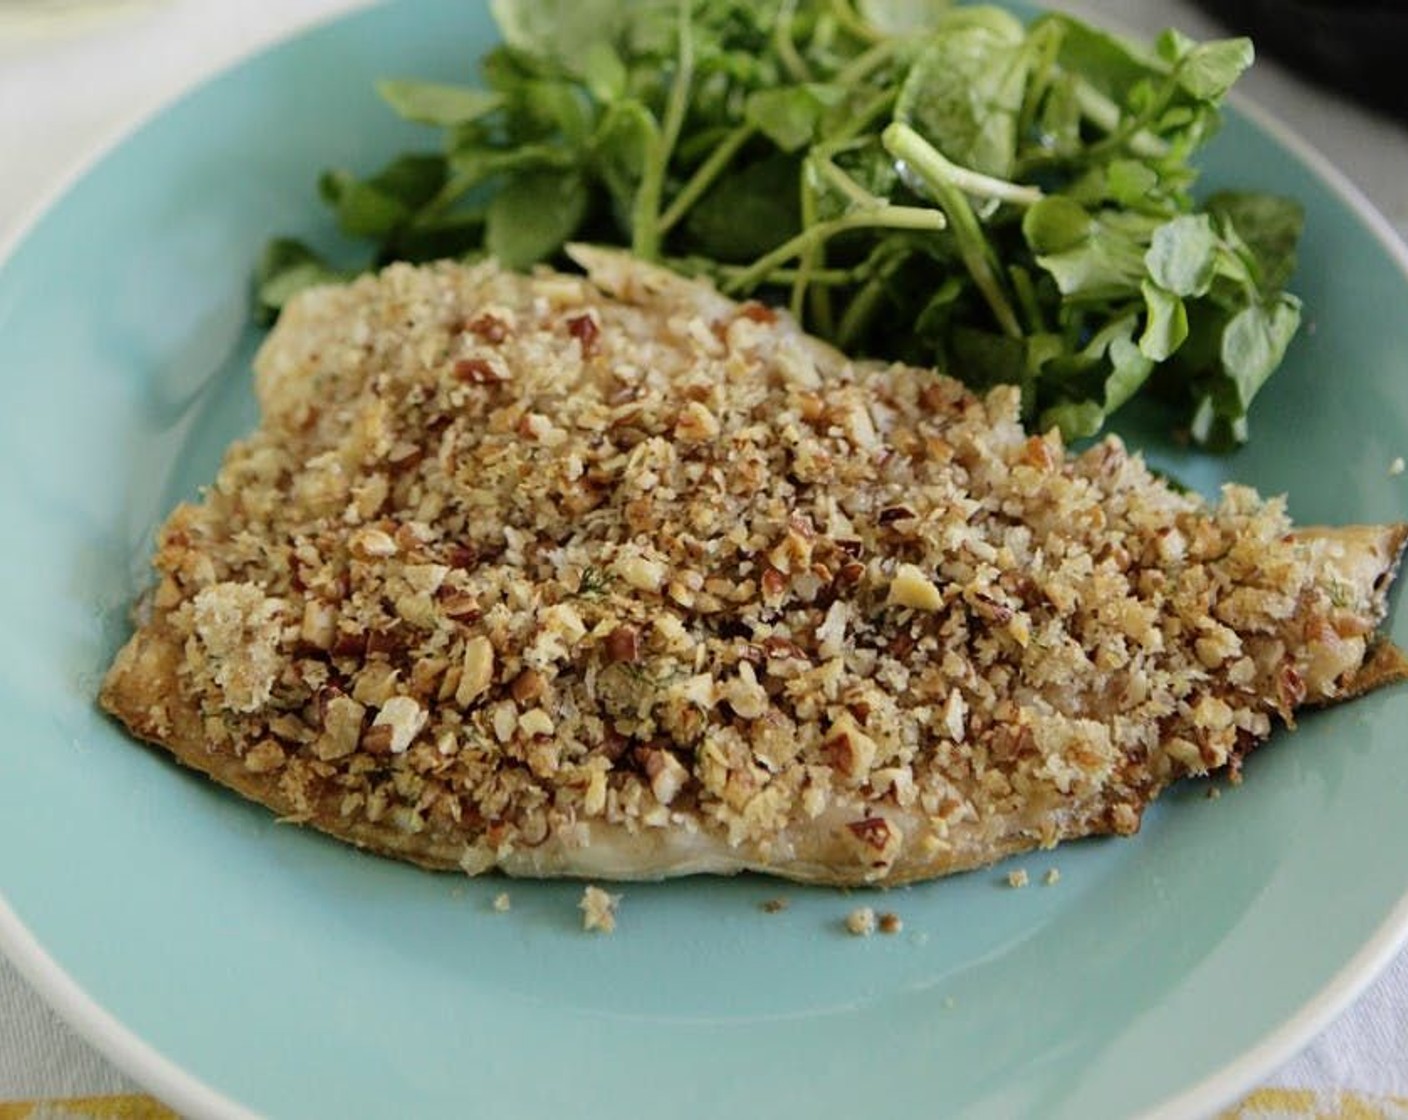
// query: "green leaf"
[[933, 320], [626, 136], [362, 210], [1214, 430], [1075, 419], [1172, 45], [559, 29], [1056, 224], [1255, 341], [459, 234], [604, 73], [1104, 61], [379, 206], [1270, 225], [1166, 322], [964, 92], [1130, 182], [554, 106], [983, 358], [1130, 367], [1208, 70], [1060, 119], [534, 214], [285, 268], [1182, 255], [473, 165], [1107, 263], [437, 103], [412, 180], [791, 117], [903, 17], [751, 211]]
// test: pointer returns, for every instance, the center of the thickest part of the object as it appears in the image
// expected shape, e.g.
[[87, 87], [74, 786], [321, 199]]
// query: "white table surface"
[[73, 75]]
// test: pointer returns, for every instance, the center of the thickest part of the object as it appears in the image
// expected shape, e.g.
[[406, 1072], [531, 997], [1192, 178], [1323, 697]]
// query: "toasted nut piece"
[[535, 722], [666, 773], [849, 750], [405, 717], [912, 588], [623, 645], [528, 686], [342, 728], [319, 626], [641, 572], [371, 544], [696, 424], [477, 671], [264, 757]]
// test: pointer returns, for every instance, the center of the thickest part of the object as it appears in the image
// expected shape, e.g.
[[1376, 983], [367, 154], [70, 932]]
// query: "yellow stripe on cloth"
[[1313, 1104], [1264, 1104], [88, 1108]]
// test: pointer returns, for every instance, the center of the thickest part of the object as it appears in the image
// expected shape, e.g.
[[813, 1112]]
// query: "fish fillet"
[[610, 576]]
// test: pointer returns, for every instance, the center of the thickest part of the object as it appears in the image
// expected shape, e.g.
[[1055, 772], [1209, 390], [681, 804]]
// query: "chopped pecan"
[[623, 645], [873, 832], [890, 514], [488, 328], [585, 330], [528, 686], [477, 371]]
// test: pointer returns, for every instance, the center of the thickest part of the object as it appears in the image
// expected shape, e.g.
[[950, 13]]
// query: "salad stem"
[[884, 217], [853, 24], [793, 62], [705, 176], [866, 64], [913, 151], [645, 226], [1105, 115], [902, 142]]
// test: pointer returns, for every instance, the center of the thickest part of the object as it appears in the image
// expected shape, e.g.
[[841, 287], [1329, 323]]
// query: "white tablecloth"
[[73, 73]]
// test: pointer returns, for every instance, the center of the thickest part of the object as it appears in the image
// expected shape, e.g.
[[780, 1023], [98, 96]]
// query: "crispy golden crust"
[[630, 581]]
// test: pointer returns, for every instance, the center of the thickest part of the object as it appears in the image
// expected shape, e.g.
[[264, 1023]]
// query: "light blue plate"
[[222, 958]]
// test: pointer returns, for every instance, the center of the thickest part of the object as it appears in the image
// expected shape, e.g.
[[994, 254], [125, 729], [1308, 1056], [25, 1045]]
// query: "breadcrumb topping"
[[473, 577]]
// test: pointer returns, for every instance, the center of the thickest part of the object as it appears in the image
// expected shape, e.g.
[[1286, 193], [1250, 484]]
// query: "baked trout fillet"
[[610, 576]]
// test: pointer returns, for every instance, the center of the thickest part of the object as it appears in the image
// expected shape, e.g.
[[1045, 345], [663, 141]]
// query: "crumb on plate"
[[775, 905], [1017, 878], [502, 903], [1052, 877], [599, 910], [891, 922], [861, 921]]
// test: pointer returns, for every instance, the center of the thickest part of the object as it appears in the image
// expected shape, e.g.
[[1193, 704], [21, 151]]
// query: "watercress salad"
[[916, 179]]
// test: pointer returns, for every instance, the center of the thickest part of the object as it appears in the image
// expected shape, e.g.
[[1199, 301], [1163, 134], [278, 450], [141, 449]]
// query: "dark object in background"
[[1358, 48]]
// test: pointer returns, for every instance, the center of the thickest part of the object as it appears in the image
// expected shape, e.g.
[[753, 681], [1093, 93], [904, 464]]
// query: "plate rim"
[[191, 1095]]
